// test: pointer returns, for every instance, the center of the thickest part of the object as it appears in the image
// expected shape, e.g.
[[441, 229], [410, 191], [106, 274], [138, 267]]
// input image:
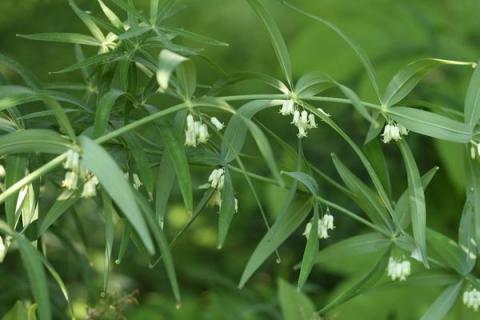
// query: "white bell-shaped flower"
[[90, 188], [70, 181], [218, 125], [288, 107], [203, 133], [73, 161], [216, 179], [2, 172], [398, 269], [324, 225], [471, 299]]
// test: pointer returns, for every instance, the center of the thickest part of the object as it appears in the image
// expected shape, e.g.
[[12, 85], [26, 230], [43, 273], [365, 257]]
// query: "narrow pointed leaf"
[[97, 160], [440, 308]]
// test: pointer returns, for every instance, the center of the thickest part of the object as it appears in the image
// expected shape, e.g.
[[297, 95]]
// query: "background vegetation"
[[392, 32]]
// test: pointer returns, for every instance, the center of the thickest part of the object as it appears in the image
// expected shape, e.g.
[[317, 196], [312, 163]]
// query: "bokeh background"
[[393, 33]]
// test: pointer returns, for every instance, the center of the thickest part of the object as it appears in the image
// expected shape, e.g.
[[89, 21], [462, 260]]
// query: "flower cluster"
[[110, 43], [74, 171], [471, 299], [474, 149], [393, 131], [216, 181], [301, 118], [324, 224], [196, 132], [398, 269]]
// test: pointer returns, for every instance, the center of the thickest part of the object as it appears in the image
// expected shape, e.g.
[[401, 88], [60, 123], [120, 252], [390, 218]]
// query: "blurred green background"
[[391, 32]]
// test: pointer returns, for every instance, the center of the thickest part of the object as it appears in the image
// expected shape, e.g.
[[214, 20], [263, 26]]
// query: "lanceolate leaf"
[[73, 38], [472, 189], [294, 304], [277, 40], [176, 151], [236, 131], [363, 196], [370, 279], [97, 160], [431, 124], [417, 200], [472, 100], [287, 222], [162, 243], [163, 188], [15, 170], [443, 304], [307, 180], [32, 261], [108, 212], [104, 109], [311, 250], [64, 202], [227, 209], [409, 76], [32, 141]]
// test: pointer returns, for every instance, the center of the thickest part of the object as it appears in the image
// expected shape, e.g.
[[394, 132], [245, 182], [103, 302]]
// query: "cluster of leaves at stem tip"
[[98, 139]]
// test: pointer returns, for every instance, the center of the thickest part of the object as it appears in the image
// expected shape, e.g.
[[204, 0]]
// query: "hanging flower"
[[217, 178], [303, 121], [218, 125], [393, 131], [288, 107], [3, 250], [73, 161], [90, 188], [70, 181], [474, 149], [471, 299], [137, 183], [398, 269], [196, 132], [324, 225], [109, 44], [2, 172]]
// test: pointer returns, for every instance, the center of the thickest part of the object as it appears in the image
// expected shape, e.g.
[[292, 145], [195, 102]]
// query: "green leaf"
[[64, 201], [176, 151], [431, 124], [472, 100], [193, 36], [472, 188], [16, 168], [33, 141], [409, 76], [447, 251], [28, 77], [307, 180], [265, 148], [97, 160], [18, 312], [442, 305], [466, 235], [163, 188], [311, 250], [32, 261], [286, 223], [402, 206], [366, 199], [73, 38], [236, 131], [104, 109], [417, 200], [162, 243], [367, 281], [88, 21], [61, 116], [111, 16], [108, 212], [294, 304], [109, 57], [142, 163], [277, 40], [227, 209], [168, 62], [312, 84], [354, 246]]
